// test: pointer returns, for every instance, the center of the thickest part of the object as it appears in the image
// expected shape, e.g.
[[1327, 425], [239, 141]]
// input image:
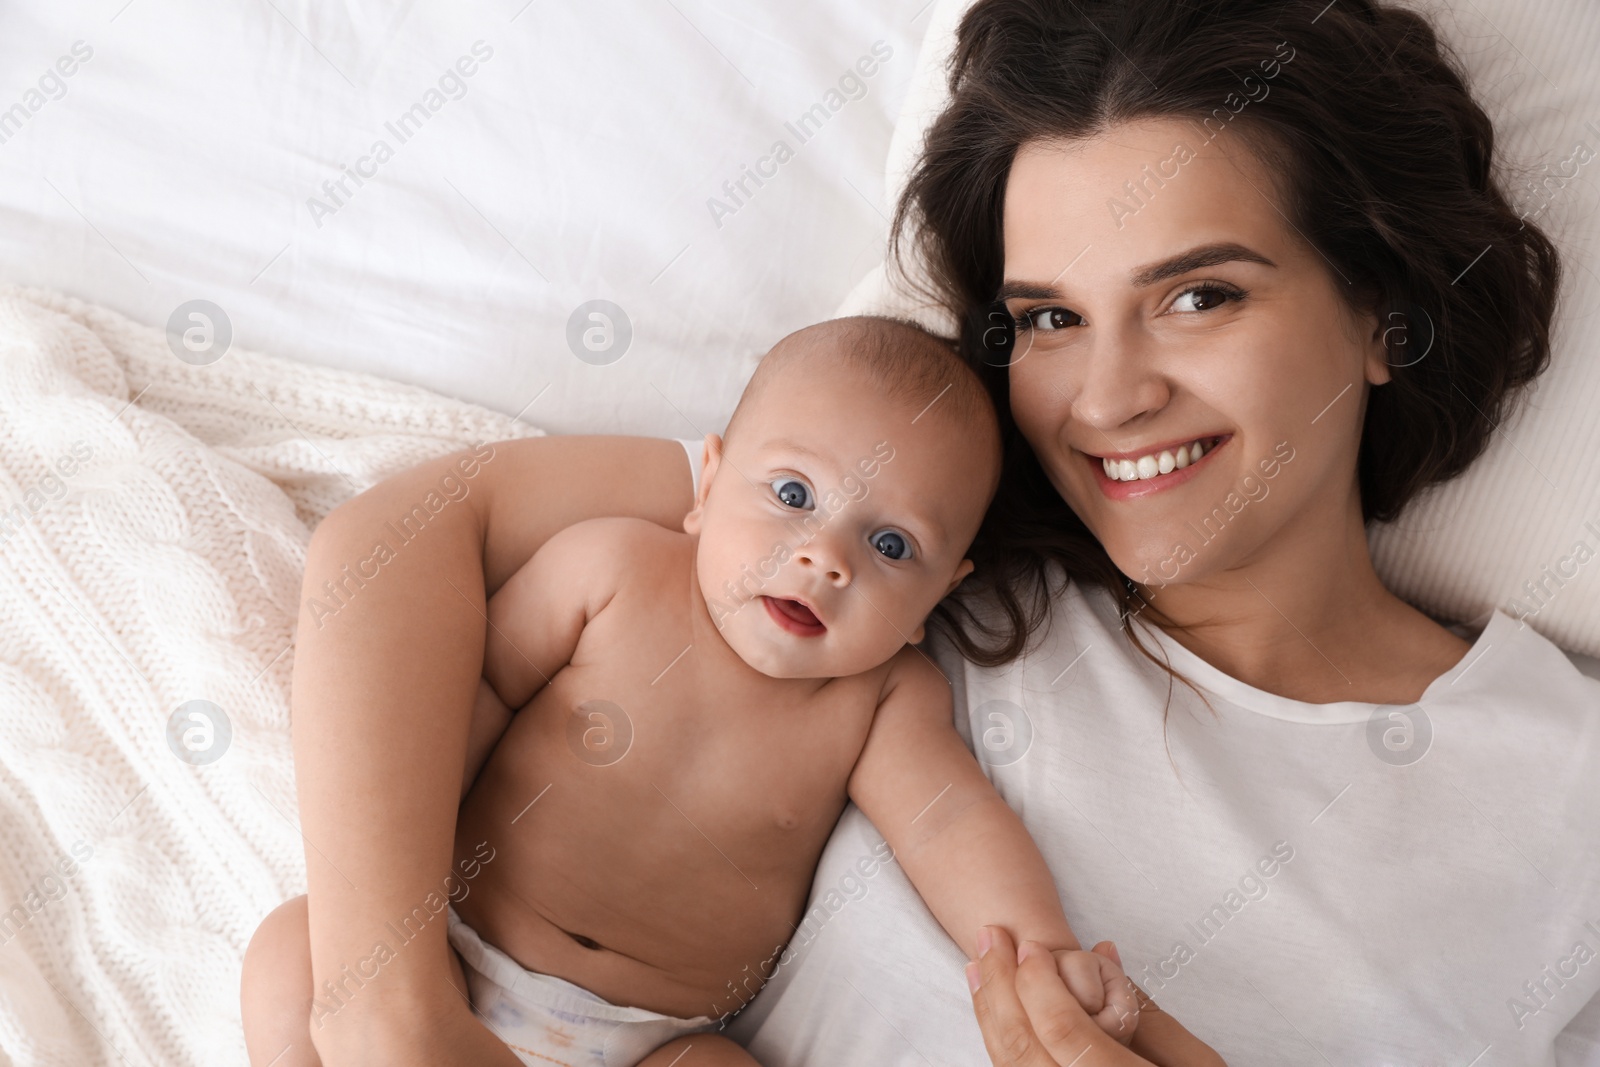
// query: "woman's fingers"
[[1096, 981], [1029, 1018], [1163, 1041], [1061, 1025], [1082, 973], [1160, 1038], [1118, 1012], [1007, 1034]]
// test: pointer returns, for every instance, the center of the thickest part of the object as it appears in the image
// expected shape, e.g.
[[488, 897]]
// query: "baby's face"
[[835, 520]]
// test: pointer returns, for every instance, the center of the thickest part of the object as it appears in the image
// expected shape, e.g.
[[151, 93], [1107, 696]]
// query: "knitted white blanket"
[[154, 518]]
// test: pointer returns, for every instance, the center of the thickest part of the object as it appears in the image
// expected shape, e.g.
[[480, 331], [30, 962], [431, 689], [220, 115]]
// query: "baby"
[[697, 707]]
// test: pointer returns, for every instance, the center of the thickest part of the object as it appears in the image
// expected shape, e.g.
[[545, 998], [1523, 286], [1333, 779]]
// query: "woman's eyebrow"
[[1025, 291], [1194, 259], [1182, 263]]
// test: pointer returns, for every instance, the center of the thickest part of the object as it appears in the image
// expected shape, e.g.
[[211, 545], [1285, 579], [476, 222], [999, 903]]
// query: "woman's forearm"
[[387, 663]]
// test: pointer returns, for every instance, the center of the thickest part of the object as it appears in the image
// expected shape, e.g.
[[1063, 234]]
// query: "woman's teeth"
[[1157, 463]]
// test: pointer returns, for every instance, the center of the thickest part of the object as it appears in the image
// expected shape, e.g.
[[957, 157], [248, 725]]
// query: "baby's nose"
[[832, 564]]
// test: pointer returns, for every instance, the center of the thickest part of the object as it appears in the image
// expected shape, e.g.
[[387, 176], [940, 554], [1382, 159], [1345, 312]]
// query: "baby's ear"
[[710, 460], [963, 569]]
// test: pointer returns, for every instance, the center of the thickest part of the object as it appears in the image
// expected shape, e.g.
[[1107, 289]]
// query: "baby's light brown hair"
[[906, 362]]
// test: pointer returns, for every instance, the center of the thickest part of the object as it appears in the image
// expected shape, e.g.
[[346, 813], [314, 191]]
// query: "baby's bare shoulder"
[[590, 561], [629, 551], [619, 543], [912, 680]]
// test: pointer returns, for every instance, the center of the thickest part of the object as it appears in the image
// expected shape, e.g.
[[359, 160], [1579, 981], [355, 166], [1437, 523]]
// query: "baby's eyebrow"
[[798, 449]]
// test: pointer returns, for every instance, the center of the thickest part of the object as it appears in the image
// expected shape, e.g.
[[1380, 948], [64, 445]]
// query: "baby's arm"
[[536, 618], [490, 717], [964, 849]]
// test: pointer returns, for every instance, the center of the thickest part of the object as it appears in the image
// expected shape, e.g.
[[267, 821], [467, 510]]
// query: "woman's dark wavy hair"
[[1384, 163]]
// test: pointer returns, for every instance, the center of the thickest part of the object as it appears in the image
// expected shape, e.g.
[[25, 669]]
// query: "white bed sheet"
[[576, 164], [177, 163]]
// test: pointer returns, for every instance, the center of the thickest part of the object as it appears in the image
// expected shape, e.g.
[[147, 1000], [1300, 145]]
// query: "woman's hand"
[[1030, 1019]]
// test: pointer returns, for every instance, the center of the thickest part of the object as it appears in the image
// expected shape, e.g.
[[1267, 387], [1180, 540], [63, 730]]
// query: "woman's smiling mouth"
[[1124, 475]]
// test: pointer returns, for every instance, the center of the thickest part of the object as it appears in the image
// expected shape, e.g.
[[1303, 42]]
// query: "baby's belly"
[[668, 880]]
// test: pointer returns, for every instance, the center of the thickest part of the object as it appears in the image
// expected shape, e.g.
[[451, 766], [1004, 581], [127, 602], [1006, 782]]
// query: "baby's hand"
[[1104, 992]]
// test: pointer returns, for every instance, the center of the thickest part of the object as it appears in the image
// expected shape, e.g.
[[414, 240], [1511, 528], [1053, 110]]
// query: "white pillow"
[[1528, 512]]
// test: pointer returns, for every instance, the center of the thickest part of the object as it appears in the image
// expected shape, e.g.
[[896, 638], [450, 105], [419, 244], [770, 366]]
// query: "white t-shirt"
[[1297, 883]]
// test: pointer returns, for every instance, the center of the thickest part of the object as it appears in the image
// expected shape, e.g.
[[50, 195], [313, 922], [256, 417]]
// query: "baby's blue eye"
[[793, 493], [891, 544]]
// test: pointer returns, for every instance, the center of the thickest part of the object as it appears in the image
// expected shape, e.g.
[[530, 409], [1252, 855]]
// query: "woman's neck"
[[1308, 618]]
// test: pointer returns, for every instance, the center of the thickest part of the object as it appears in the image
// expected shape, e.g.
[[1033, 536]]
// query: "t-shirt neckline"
[[1489, 627]]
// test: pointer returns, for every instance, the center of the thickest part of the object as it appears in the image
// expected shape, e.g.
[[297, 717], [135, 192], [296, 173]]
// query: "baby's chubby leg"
[[699, 1050], [275, 989]]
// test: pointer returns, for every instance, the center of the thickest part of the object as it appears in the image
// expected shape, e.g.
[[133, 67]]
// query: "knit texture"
[[154, 518]]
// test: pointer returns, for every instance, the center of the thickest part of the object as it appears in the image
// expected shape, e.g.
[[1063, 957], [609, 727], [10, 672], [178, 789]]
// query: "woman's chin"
[[1153, 563]]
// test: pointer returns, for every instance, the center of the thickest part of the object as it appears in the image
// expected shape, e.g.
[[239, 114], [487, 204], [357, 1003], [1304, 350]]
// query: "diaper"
[[547, 1020]]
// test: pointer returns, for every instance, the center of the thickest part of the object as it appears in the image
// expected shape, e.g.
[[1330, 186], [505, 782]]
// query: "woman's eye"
[[1048, 319], [793, 493], [1204, 298], [891, 544]]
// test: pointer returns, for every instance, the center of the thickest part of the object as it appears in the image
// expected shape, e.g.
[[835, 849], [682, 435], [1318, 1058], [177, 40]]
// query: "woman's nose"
[[1120, 380]]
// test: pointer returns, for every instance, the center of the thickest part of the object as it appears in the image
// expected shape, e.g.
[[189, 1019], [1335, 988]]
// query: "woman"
[[1318, 825], [1202, 218]]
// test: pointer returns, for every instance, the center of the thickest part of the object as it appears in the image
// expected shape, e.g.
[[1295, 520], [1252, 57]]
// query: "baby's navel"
[[586, 942]]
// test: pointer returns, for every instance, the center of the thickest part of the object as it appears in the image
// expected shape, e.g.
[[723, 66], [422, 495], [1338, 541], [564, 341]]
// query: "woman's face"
[[1167, 305]]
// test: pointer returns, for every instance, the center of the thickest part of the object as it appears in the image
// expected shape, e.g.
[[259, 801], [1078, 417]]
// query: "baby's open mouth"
[[793, 616]]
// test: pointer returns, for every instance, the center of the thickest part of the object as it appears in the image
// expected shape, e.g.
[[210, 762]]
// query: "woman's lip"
[[788, 622], [1117, 490], [1154, 450]]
